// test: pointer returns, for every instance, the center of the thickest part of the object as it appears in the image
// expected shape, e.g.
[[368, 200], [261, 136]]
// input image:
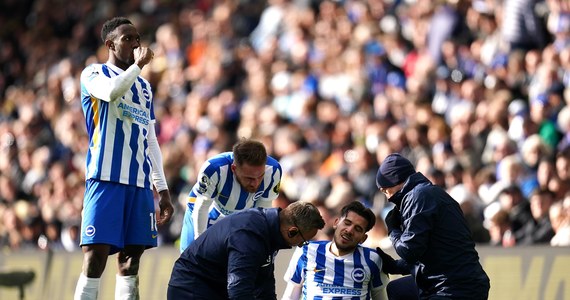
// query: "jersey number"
[[153, 226]]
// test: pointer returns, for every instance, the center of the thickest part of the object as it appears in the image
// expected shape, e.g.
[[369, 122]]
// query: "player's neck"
[[339, 252], [119, 64]]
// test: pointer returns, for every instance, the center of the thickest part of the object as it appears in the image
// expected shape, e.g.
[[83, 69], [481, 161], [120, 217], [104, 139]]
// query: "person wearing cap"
[[429, 232]]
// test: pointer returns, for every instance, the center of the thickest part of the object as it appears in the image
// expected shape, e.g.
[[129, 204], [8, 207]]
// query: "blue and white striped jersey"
[[217, 182], [117, 128], [326, 276]]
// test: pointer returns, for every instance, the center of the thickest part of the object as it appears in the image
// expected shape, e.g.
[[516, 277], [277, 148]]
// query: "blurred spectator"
[[562, 164], [558, 25], [512, 201], [538, 231], [521, 26], [540, 113], [532, 150], [436, 176], [560, 219], [472, 210], [500, 230], [564, 126], [520, 126]]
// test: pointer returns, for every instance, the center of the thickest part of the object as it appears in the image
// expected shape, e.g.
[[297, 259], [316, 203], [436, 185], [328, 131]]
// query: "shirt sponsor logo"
[[333, 289], [136, 114]]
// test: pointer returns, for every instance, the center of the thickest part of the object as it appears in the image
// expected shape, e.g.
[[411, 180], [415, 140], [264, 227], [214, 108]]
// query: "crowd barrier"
[[541, 273]]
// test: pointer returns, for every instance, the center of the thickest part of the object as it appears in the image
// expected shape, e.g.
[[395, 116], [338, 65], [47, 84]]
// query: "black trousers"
[[403, 288]]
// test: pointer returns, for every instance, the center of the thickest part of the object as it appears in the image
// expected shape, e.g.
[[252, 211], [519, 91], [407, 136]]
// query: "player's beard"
[[344, 245], [248, 188], [251, 189]]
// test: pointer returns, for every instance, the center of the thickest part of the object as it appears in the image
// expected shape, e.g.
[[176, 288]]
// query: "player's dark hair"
[[110, 25], [250, 152], [304, 215], [361, 210]]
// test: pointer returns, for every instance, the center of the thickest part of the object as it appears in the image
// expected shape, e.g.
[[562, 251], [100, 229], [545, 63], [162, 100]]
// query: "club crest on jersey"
[[257, 195], [358, 275], [90, 230], [146, 94]]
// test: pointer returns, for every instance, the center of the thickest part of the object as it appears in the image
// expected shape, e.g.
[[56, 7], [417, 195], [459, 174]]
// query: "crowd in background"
[[475, 93]]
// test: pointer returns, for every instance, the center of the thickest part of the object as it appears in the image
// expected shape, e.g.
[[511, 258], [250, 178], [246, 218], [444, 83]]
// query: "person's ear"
[[292, 232], [110, 45], [335, 224], [233, 167], [364, 238]]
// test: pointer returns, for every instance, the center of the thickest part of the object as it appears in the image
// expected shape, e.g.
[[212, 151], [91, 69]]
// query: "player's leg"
[[175, 293], [99, 234], [140, 233], [187, 234], [183, 285], [128, 261], [94, 261]]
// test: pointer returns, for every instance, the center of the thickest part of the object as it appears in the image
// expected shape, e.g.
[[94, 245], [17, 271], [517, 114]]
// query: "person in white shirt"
[[341, 268]]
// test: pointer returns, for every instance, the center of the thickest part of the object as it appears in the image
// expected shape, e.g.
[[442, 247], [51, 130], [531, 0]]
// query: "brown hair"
[[304, 215], [249, 152]]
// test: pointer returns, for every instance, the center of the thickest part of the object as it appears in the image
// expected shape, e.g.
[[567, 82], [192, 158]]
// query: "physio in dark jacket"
[[429, 232], [233, 259]]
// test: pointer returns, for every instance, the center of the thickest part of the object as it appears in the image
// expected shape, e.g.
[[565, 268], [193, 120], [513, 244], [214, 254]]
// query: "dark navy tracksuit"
[[436, 241], [233, 259]]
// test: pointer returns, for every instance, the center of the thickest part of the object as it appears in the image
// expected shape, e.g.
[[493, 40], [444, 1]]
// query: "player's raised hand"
[[143, 55], [166, 208]]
